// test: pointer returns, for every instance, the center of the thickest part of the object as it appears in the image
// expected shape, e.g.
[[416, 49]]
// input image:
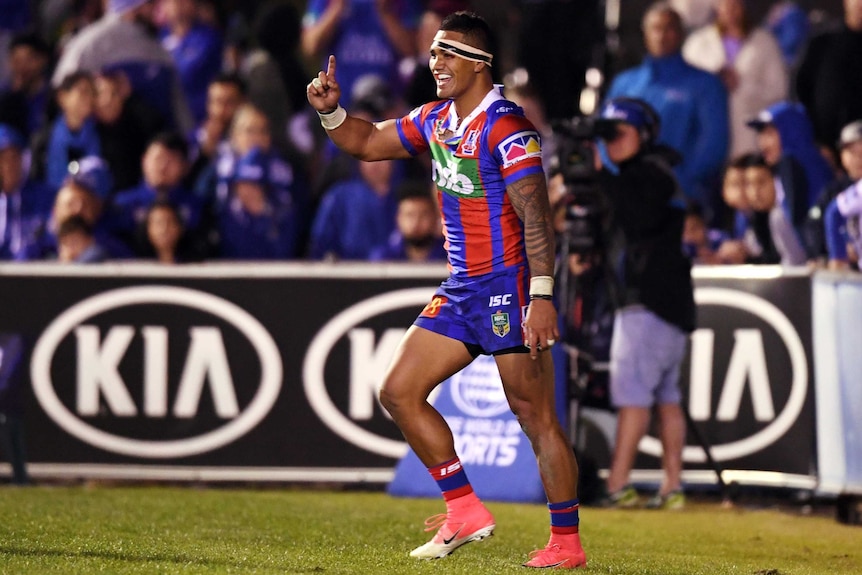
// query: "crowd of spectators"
[[178, 131]]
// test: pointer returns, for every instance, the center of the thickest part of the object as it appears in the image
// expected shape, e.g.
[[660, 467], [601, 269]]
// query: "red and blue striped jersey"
[[473, 163]]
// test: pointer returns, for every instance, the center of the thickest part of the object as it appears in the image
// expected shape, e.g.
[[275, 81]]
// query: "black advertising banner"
[[747, 380], [747, 383], [255, 368], [270, 372]]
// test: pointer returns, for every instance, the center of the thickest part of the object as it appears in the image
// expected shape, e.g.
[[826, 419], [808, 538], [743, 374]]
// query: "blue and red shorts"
[[485, 313]]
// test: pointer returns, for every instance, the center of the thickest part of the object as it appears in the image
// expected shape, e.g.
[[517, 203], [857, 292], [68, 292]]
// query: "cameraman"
[[652, 293]]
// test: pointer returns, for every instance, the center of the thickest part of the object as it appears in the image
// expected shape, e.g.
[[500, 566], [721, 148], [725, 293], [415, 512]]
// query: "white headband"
[[461, 50]]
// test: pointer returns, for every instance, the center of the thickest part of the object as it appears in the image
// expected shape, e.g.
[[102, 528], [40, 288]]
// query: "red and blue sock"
[[452, 479], [564, 517]]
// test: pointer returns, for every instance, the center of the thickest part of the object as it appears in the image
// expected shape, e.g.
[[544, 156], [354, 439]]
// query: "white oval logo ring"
[[773, 316], [315, 361], [251, 328]]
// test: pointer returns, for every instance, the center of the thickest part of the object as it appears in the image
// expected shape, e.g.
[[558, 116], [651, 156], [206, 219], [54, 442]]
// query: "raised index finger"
[[330, 67]]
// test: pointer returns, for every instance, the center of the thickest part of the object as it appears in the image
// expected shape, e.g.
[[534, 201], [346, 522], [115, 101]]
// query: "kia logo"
[[747, 373], [100, 385], [369, 359]]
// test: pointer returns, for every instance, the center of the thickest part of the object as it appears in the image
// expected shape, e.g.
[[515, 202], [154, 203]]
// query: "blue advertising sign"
[[493, 449]]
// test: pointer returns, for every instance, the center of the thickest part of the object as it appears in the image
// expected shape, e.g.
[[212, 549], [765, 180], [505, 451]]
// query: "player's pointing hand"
[[323, 91]]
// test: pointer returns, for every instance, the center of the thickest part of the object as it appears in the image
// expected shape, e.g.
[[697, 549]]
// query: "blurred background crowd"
[[178, 130]]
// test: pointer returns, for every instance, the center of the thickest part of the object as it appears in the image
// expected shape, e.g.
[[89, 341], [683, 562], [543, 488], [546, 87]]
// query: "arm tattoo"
[[529, 197]]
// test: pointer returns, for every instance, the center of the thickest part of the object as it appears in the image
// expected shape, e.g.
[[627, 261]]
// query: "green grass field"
[[179, 530]]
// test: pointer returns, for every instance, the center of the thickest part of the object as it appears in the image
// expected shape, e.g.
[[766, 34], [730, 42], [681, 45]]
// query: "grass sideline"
[[184, 530]]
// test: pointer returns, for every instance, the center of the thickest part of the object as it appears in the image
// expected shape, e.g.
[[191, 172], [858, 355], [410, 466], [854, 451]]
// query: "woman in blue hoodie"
[[786, 140]]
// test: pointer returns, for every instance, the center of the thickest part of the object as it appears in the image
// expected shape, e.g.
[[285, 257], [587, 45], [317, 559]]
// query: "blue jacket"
[[129, 208], [22, 214], [797, 142], [268, 236], [351, 221], [693, 106], [198, 57]]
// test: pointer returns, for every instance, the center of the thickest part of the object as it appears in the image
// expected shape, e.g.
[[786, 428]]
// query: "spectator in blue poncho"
[[786, 140], [259, 220]]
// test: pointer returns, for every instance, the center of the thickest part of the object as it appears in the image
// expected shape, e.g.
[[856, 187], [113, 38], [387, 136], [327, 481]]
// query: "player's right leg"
[[422, 361]]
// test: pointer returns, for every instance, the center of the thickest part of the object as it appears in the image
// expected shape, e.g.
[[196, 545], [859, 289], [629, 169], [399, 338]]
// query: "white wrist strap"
[[334, 118], [542, 285]]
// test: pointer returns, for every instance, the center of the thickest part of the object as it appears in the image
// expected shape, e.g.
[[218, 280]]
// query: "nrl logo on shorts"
[[500, 323]]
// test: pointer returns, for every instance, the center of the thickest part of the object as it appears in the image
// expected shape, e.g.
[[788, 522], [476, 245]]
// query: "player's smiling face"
[[452, 74]]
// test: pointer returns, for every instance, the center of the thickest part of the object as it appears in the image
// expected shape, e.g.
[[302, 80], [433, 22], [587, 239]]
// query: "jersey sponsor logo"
[[520, 146], [104, 363], [500, 324], [454, 177]]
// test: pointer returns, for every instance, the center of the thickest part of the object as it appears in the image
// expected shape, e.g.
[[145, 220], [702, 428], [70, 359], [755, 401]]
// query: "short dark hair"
[[414, 188], [743, 161], [664, 7], [473, 26], [73, 225], [31, 40], [172, 141], [232, 79], [163, 203], [70, 80]]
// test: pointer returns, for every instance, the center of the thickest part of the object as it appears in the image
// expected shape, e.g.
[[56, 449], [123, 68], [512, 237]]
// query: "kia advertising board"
[[252, 372], [219, 372], [747, 382]]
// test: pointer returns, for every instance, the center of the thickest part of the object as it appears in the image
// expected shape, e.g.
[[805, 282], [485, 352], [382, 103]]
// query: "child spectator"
[[76, 242], [249, 130], [83, 193], [841, 218], [164, 166], [779, 231], [416, 237], [73, 134], [843, 233], [740, 242], [225, 95], [701, 243], [850, 146], [124, 126], [785, 138], [258, 221], [164, 236]]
